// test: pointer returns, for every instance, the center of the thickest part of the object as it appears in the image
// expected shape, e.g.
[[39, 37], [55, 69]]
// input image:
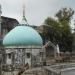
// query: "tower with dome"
[[23, 45]]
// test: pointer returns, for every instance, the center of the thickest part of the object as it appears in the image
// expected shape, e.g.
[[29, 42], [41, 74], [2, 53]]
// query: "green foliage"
[[64, 14], [61, 31], [53, 26]]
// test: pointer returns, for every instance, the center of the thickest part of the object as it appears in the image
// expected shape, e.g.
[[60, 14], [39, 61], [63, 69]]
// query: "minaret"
[[24, 20], [73, 43], [0, 19]]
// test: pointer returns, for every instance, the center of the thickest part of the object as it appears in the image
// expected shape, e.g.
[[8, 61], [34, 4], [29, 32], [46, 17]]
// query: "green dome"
[[22, 35]]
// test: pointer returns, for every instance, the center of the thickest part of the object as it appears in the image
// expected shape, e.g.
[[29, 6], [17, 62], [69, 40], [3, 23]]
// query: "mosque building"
[[23, 45]]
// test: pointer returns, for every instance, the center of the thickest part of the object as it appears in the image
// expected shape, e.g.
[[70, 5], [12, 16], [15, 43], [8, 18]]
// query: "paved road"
[[10, 73], [70, 72]]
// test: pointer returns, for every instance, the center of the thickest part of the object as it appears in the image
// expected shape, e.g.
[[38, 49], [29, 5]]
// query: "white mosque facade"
[[23, 45]]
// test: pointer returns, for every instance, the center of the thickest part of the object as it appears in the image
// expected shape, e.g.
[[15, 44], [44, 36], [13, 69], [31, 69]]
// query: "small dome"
[[22, 36]]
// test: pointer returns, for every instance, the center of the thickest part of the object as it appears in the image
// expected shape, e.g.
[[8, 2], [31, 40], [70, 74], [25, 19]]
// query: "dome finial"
[[24, 18]]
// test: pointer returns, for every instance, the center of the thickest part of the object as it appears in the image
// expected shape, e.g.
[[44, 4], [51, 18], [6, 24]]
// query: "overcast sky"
[[36, 10]]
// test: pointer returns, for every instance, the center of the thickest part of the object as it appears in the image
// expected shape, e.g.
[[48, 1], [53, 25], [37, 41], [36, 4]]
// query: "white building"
[[23, 45]]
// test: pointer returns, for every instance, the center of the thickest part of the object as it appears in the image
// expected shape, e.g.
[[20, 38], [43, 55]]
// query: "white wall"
[[19, 53]]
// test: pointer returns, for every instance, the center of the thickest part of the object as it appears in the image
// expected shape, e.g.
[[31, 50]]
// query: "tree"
[[52, 30], [64, 17], [61, 31]]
